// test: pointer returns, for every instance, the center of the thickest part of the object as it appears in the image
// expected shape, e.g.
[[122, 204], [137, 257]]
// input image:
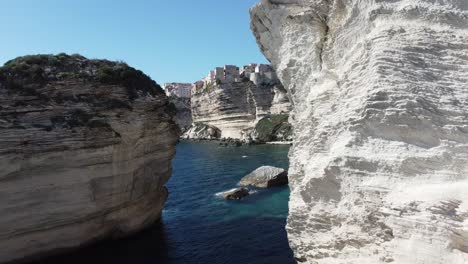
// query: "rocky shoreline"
[[272, 129], [235, 142]]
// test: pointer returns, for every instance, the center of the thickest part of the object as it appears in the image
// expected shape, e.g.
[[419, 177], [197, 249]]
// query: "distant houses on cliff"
[[230, 101], [257, 73]]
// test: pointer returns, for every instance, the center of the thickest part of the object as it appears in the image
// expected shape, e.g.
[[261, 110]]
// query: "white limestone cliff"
[[234, 100], [379, 170]]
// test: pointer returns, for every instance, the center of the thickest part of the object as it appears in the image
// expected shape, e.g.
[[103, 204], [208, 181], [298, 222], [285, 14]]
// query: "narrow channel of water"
[[197, 226]]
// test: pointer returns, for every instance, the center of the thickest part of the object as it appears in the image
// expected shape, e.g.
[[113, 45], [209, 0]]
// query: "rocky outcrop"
[[183, 117], [85, 150], [378, 170], [202, 131], [234, 142], [235, 103], [265, 177]]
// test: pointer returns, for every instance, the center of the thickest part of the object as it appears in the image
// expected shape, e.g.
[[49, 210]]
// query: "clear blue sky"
[[170, 40]]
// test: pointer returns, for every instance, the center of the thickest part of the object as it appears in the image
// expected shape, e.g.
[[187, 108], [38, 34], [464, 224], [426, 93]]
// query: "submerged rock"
[[85, 150], [236, 194], [379, 169], [265, 177]]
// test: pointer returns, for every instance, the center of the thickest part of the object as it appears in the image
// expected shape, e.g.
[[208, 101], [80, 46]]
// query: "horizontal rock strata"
[[237, 104], [202, 131], [85, 150], [378, 169], [229, 107]]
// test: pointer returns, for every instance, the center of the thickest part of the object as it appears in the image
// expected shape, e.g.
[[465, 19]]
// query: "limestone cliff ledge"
[[85, 150]]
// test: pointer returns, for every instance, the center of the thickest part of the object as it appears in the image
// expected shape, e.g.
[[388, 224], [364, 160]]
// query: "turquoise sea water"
[[199, 227]]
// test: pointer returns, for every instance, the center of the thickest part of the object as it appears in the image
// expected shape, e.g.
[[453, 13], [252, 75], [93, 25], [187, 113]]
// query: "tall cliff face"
[[183, 108], [85, 150], [229, 107], [235, 106], [378, 167]]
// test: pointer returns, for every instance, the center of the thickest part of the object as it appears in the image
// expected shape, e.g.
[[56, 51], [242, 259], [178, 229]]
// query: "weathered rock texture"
[[229, 107], [238, 105], [85, 151], [379, 168], [265, 177], [273, 128], [183, 110], [202, 131]]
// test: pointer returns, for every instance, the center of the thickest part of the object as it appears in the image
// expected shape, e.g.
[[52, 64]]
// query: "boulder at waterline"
[[265, 177], [85, 150], [236, 194]]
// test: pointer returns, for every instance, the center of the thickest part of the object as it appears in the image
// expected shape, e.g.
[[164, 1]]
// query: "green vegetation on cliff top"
[[29, 73]]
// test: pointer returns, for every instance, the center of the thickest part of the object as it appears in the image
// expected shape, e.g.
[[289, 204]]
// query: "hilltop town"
[[256, 73], [230, 101]]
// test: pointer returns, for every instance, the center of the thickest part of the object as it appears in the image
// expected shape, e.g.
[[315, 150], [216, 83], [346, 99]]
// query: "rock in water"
[[236, 194], [265, 177], [379, 169], [85, 150]]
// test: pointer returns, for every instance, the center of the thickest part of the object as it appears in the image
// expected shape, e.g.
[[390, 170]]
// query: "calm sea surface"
[[199, 227]]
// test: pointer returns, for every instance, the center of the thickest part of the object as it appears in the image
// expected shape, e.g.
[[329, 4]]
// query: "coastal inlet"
[[200, 227]]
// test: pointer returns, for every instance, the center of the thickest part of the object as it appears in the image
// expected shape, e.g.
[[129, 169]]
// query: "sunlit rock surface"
[[85, 150], [379, 168], [235, 102]]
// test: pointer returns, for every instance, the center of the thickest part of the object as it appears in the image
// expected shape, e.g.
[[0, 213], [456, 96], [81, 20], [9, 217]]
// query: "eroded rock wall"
[[85, 150], [236, 106], [378, 169], [229, 107], [183, 108]]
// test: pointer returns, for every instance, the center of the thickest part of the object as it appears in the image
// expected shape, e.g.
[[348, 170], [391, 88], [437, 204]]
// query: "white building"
[[248, 70], [231, 73], [257, 73], [183, 90]]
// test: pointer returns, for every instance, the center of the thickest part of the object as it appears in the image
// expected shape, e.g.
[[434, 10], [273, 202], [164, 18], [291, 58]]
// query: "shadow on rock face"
[[148, 246]]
